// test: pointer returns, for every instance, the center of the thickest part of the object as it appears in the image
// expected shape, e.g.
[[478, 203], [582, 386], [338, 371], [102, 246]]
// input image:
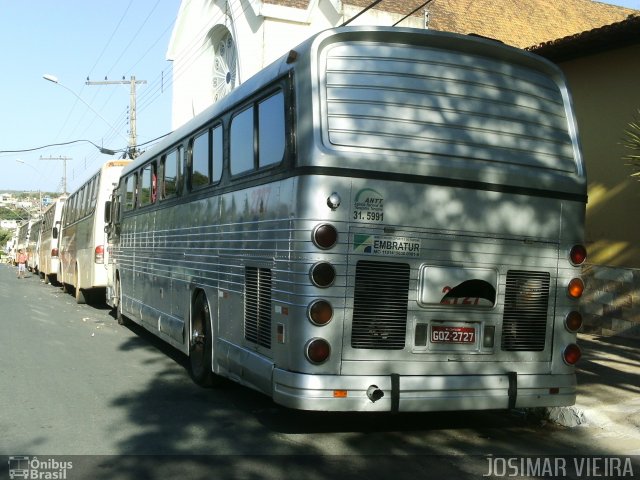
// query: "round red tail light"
[[578, 254], [323, 274], [317, 350], [325, 236], [571, 354], [573, 321], [575, 289], [320, 312]]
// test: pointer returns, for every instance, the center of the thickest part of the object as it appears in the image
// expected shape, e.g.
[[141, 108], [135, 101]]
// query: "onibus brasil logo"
[[27, 467]]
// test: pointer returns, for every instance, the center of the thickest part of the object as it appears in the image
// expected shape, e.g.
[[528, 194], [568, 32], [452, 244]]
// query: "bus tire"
[[200, 343], [80, 293], [80, 296], [122, 320]]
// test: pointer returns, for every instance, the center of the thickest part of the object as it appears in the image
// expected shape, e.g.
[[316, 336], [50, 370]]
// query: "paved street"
[[74, 382]]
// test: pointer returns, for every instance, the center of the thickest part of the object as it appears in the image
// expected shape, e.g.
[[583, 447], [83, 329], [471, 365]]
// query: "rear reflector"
[[573, 321], [571, 354], [99, 255], [320, 312], [578, 254], [317, 350], [575, 288]]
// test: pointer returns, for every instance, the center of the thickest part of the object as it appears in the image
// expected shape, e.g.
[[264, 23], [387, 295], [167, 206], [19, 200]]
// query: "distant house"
[[6, 199], [8, 224]]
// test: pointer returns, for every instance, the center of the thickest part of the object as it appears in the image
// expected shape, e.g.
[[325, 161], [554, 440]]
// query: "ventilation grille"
[[380, 305], [257, 306], [524, 325]]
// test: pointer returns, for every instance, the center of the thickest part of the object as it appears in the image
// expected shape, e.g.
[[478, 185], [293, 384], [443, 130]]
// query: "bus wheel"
[[80, 294], [200, 343], [122, 320]]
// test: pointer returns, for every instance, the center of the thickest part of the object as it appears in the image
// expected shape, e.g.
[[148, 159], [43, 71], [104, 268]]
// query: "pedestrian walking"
[[22, 263]]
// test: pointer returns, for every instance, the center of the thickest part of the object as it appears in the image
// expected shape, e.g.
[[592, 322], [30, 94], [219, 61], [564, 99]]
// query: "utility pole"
[[64, 169], [132, 106]]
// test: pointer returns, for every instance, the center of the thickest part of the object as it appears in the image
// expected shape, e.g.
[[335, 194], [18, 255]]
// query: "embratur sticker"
[[386, 245]]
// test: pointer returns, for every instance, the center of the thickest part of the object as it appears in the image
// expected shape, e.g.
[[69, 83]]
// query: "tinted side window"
[[217, 154], [148, 185], [200, 161], [94, 193], [271, 136], [82, 202], [130, 194], [171, 174], [242, 142]]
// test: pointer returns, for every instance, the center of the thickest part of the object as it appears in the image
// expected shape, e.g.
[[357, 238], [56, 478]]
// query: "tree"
[[5, 236], [12, 214], [632, 142]]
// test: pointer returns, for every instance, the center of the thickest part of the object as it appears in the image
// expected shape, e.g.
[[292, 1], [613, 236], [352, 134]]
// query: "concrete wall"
[[606, 96], [611, 305]]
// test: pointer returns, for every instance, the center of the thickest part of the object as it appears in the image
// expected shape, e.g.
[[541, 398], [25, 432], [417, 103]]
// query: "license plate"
[[442, 334]]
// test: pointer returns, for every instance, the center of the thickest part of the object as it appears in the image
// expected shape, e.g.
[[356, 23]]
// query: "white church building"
[[218, 44]]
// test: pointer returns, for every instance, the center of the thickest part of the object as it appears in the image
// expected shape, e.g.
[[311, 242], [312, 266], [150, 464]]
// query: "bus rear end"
[[440, 211]]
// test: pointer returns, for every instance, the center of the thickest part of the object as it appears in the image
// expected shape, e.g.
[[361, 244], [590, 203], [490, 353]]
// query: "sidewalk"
[[608, 399]]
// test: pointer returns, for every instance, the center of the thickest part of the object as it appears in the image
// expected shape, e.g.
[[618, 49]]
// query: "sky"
[[73, 40]]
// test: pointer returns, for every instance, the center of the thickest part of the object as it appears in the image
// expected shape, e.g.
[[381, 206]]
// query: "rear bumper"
[[421, 393]]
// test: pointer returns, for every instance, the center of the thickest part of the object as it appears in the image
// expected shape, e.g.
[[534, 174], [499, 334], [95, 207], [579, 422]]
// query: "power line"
[[134, 36], [24, 150], [412, 12], [64, 169], [363, 11], [132, 107]]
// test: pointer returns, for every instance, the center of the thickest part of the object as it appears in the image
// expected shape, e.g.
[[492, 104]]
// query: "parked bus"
[[48, 261], [33, 245], [382, 220], [82, 241]]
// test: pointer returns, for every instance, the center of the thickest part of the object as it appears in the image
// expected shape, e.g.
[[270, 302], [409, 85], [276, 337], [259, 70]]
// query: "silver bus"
[[82, 270], [384, 219], [48, 260]]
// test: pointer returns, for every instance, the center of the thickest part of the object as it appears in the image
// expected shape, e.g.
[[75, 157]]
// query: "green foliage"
[[632, 142], [5, 236], [12, 214]]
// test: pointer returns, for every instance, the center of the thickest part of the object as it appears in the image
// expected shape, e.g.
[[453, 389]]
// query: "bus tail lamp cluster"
[[99, 254], [317, 350], [324, 236], [571, 354]]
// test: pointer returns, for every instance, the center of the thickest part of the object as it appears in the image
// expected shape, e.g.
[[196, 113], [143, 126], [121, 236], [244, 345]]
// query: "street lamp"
[[54, 79], [39, 191]]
